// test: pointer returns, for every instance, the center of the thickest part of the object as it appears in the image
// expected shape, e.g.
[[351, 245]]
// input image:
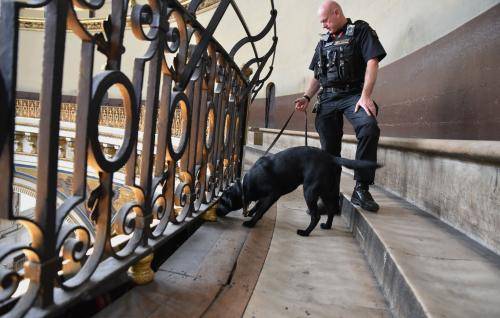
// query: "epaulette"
[[353, 27], [364, 25], [361, 23]]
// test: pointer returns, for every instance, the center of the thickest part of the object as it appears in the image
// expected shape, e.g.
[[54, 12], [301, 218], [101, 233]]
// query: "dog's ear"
[[224, 206]]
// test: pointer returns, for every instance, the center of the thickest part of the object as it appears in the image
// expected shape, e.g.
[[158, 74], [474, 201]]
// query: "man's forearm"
[[312, 88], [370, 77]]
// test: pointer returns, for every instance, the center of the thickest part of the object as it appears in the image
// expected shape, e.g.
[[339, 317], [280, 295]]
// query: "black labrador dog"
[[275, 175]]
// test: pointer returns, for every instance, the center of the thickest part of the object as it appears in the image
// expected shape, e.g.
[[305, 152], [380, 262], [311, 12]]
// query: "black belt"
[[341, 89]]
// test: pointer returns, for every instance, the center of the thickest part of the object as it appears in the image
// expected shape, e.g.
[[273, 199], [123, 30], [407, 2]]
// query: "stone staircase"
[[227, 270], [401, 262], [423, 266]]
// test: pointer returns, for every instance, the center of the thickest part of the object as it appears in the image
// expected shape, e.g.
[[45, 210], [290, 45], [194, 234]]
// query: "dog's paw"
[[302, 233], [325, 226], [249, 224]]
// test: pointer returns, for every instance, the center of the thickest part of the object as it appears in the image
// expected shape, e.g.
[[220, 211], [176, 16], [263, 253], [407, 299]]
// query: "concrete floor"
[[323, 275]]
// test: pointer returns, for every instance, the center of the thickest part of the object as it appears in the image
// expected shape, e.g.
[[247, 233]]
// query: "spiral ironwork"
[[183, 73]]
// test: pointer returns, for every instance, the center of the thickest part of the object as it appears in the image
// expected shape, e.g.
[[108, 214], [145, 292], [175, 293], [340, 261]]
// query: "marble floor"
[[323, 275], [226, 270]]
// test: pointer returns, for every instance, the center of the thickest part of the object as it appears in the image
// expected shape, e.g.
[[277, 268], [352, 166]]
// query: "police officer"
[[345, 65]]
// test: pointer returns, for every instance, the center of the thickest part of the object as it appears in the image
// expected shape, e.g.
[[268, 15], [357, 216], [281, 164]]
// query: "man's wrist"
[[366, 96], [307, 97]]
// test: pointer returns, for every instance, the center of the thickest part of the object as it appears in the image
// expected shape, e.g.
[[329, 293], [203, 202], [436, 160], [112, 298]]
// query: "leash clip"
[[315, 107]]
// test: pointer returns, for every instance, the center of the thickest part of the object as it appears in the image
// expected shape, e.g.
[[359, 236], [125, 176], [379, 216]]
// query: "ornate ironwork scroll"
[[188, 73]]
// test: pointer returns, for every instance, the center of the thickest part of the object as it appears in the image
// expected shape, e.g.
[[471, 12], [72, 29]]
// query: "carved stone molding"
[[111, 116], [37, 24], [96, 24]]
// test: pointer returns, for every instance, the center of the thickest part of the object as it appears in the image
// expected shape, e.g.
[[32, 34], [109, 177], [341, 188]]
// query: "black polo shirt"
[[366, 38]]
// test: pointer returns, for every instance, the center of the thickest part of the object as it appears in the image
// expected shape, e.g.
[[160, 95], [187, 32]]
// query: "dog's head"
[[230, 200]]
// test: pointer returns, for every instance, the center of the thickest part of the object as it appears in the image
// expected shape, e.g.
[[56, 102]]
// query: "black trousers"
[[329, 124]]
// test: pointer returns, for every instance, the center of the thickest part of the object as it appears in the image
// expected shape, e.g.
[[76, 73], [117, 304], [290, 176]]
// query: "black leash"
[[282, 129], [245, 209], [305, 130]]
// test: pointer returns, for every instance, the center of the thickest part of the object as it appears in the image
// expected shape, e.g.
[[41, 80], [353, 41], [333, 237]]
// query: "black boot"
[[362, 197]]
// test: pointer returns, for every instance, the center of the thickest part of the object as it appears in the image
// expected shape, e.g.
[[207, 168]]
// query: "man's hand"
[[301, 104], [366, 100], [367, 104]]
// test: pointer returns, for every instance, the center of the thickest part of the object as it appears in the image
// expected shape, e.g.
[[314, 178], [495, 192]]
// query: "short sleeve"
[[315, 58], [370, 44]]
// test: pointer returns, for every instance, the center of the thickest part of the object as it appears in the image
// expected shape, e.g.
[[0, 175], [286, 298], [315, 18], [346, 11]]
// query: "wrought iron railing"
[[202, 83]]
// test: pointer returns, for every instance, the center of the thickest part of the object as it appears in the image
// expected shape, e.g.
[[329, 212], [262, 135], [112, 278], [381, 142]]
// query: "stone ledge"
[[472, 150], [462, 193]]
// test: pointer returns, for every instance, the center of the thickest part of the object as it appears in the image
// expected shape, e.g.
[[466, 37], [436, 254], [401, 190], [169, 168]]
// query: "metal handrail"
[[172, 182]]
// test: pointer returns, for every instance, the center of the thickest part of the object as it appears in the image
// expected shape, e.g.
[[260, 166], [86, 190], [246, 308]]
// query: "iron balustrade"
[[176, 182]]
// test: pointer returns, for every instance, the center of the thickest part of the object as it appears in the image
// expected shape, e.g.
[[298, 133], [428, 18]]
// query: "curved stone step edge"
[[402, 298]]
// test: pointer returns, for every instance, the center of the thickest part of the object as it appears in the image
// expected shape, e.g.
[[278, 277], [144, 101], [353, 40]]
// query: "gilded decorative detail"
[[205, 6], [111, 116], [31, 24], [24, 190], [95, 24], [141, 271], [37, 24], [210, 215], [18, 137]]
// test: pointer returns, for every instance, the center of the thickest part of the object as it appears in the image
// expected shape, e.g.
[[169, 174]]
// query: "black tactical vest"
[[340, 62]]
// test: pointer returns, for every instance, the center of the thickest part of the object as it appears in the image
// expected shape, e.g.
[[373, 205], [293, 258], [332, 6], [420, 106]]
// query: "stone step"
[[424, 267], [322, 275]]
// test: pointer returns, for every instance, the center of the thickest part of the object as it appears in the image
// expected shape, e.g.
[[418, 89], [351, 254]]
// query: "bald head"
[[331, 16], [329, 7]]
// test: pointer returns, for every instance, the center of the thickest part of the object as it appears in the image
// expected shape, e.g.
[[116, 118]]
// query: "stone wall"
[[404, 26], [446, 90]]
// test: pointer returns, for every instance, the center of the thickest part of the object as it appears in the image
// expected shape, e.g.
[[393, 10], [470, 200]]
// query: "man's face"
[[330, 20]]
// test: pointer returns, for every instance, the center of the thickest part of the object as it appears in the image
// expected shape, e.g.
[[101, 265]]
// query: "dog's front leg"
[[262, 206], [256, 207]]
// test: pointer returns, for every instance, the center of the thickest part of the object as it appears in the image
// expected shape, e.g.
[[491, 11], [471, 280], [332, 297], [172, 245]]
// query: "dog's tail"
[[356, 164]]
